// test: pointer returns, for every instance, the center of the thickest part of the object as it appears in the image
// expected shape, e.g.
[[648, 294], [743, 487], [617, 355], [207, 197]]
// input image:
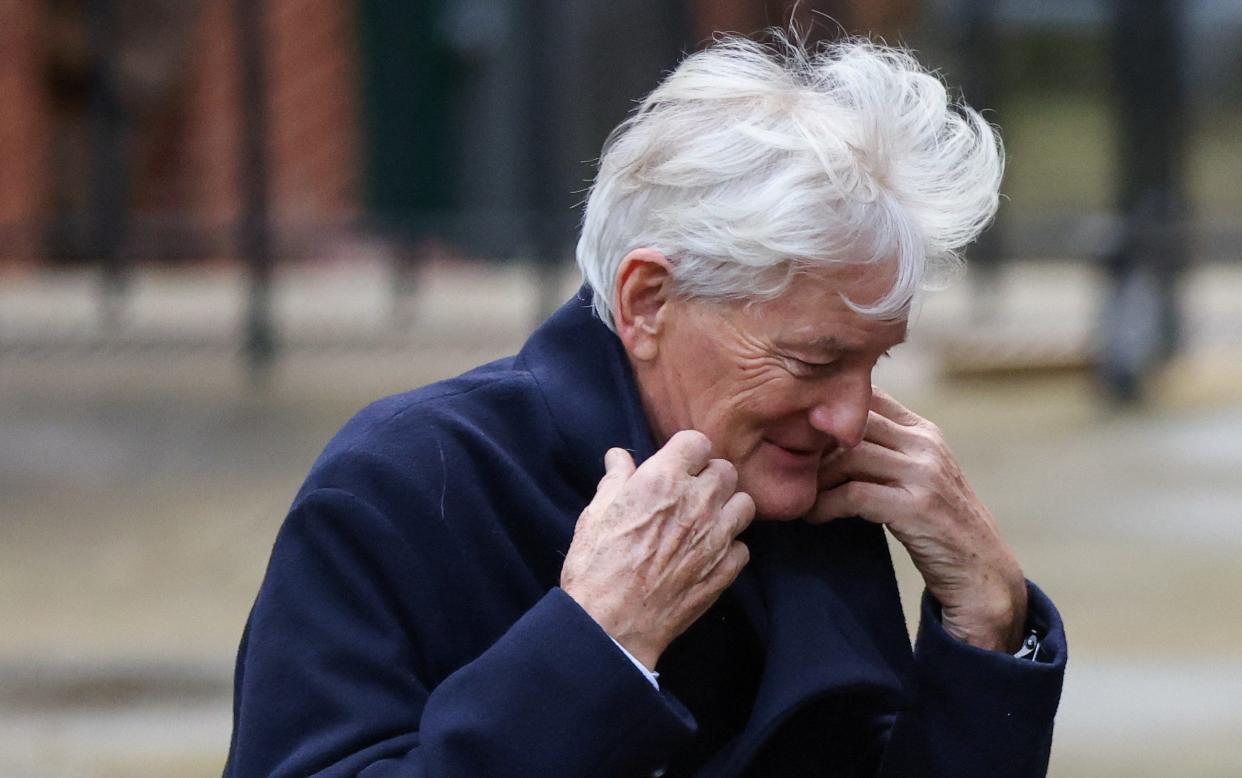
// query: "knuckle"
[[927, 463], [694, 438], [930, 430], [924, 500], [663, 479], [661, 482], [691, 440], [722, 472], [656, 476]]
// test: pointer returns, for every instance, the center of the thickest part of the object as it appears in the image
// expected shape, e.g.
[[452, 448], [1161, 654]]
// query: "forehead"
[[813, 312]]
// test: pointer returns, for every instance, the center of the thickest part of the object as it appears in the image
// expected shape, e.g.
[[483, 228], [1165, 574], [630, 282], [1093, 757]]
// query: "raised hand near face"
[[658, 544], [903, 475]]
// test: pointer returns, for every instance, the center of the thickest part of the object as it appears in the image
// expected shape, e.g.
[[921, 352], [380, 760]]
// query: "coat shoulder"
[[468, 421], [467, 463]]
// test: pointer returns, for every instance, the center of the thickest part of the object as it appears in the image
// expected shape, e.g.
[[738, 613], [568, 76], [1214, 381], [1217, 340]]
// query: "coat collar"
[[822, 599], [588, 384], [834, 627]]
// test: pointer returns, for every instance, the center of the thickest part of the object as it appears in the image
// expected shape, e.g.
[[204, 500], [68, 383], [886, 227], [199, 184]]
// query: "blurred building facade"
[[263, 131], [476, 120], [137, 102]]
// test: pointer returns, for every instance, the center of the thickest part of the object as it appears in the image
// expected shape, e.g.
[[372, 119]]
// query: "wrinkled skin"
[[904, 476], [781, 393], [657, 545], [777, 386]]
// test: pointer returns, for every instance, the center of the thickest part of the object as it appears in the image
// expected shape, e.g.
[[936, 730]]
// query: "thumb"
[[618, 467]]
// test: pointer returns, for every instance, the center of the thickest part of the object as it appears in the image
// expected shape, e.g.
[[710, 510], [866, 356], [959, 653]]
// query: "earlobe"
[[644, 287]]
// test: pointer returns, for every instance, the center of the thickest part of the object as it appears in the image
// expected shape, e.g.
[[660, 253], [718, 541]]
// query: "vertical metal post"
[[547, 221], [109, 179], [981, 88], [1142, 319], [254, 234]]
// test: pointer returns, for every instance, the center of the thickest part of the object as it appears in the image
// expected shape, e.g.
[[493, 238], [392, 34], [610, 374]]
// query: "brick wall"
[[312, 114], [23, 129], [185, 139], [314, 110]]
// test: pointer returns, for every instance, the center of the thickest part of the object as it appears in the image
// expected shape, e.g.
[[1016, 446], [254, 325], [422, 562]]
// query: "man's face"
[[777, 386]]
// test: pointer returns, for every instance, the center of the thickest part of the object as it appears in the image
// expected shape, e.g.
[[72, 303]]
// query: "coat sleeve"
[[332, 678], [977, 712]]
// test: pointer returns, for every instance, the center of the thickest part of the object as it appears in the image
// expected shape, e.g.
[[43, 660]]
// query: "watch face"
[[1030, 647]]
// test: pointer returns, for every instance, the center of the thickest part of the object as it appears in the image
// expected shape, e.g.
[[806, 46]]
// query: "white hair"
[[751, 163]]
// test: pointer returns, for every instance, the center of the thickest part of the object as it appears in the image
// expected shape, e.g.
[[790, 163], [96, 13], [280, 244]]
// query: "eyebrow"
[[823, 344], [828, 344]]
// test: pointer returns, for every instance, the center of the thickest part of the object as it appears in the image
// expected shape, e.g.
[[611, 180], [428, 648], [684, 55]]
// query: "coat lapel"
[[830, 598]]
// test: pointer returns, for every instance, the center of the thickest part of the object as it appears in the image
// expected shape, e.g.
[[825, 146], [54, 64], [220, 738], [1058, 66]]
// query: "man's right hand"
[[658, 544]]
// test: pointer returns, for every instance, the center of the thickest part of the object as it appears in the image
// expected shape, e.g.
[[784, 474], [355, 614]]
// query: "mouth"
[[796, 456]]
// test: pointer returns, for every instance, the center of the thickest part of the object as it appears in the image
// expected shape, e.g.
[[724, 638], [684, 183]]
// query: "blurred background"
[[225, 225]]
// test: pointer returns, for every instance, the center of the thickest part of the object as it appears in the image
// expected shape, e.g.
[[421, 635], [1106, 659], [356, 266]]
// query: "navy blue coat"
[[410, 622]]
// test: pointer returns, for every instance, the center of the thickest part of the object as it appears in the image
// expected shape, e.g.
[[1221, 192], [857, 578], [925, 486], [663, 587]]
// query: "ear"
[[643, 291]]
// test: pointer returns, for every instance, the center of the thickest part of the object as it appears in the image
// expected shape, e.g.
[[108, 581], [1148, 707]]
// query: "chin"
[[783, 487], [782, 501]]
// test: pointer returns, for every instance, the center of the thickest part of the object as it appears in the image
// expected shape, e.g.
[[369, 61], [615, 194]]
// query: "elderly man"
[[651, 543]]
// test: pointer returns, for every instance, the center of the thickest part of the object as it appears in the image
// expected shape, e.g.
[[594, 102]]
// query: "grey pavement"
[[142, 479]]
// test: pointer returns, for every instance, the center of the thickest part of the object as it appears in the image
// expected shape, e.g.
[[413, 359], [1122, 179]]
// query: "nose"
[[842, 413]]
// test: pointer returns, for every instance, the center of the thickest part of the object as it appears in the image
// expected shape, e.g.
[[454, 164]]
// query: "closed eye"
[[804, 367], [807, 367], [814, 365]]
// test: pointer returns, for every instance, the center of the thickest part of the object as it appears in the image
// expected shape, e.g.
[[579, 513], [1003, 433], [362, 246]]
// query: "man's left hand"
[[904, 476]]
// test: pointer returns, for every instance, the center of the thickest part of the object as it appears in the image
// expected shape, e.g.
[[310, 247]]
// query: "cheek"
[[744, 413], [770, 398]]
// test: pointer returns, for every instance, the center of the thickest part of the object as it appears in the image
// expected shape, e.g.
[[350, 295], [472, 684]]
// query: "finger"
[[721, 476], [689, 450], [884, 404], [734, 560], [716, 533], [865, 462], [886, 432], [874, 502], [618, 461], [718, 578], [737, 514], [618, 467]]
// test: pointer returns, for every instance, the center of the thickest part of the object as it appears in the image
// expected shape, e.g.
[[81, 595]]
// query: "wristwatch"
[[1030, 647]]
